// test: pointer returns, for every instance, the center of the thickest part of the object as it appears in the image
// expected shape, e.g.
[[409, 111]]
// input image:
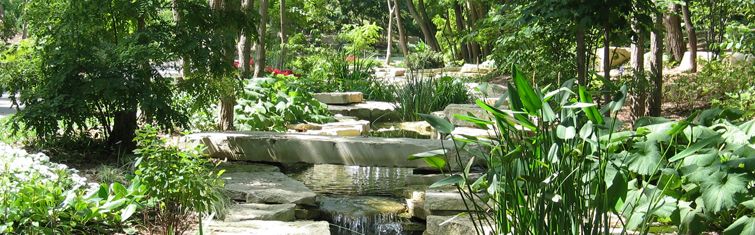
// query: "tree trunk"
[[607, 51], [429, 23], [259, 59], [459, 15], [124, 130], [401, 34], [581, 50], [2, 15], [672, 23], [639, 97], [656, 67], [691, 36], [282, 54], [389, 38], [244, 44], [474, 48], [426, 32], [227, 100]]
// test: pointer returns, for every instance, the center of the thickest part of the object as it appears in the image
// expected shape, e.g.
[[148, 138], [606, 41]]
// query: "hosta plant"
[[269, 104]]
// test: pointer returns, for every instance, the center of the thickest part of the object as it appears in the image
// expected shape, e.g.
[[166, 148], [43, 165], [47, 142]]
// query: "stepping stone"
[[372, 111], [255, 211], [262, 227], [339, 97], [267, 187]]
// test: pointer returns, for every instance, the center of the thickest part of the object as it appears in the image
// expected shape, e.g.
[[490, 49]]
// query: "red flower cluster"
[[284, 72]]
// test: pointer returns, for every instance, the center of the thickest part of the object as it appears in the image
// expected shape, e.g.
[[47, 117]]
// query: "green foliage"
[[536, 182], [743, 100], [426, 95], [360, 37], [85, 66], [426, 59], [178, 183], [271, 103], [556, 156], [40, 197], [717, 82]]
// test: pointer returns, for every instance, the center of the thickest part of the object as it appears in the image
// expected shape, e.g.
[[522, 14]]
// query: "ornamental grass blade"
[[440, 124], [451, 180], [530, 100], [592, 113]]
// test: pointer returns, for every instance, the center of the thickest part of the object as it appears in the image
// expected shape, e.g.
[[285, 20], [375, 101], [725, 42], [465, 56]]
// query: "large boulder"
[[686, 63], [619, 56], [364, 214]]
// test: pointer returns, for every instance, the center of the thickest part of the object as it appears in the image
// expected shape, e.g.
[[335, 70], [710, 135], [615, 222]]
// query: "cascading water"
[[359, 200], [376, 224]]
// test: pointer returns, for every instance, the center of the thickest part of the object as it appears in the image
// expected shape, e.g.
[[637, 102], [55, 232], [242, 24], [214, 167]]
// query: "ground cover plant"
[[272, 103]]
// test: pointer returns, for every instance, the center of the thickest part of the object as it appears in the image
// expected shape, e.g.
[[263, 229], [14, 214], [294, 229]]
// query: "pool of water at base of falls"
[[359, 200]]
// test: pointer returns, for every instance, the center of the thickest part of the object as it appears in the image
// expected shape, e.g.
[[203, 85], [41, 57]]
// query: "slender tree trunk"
[[259, 59], [2, 15], [656, 67], [474, 48], [459, 15], [426, 32], [691, 36], [227, 100], [429, 23], [389, 38], [672, 23], [244, 45], [639, 96], [185, 63], [400, 26], [581, 50], [282, 54], [607, 50]]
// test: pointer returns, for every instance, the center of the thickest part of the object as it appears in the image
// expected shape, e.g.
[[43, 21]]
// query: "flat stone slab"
[[263, 227], [452, 225], [315, 149], [339, 97], [464, 109], [267, 187], [231, 167], [256, 211], [444, 201], [372, 111]]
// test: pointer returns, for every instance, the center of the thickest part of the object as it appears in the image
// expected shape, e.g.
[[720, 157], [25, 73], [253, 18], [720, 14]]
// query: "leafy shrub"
[[426, 95], [426, 59], [271, 103], [743, 100], [38, 196], [179, 183], [714, 80], [360, 37]]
